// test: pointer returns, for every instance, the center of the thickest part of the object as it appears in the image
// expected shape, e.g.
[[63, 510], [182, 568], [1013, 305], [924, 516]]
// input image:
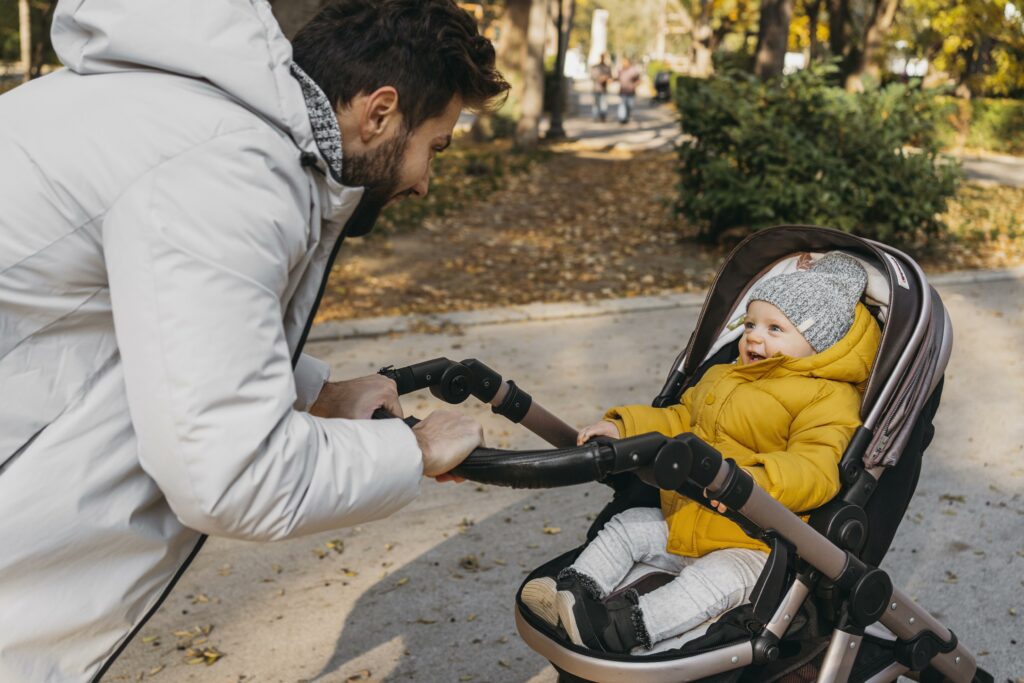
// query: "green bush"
[[799, 151], [996, 125]]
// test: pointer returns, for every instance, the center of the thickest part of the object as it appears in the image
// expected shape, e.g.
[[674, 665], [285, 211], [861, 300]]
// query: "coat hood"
[[236, 45], [848, 360]]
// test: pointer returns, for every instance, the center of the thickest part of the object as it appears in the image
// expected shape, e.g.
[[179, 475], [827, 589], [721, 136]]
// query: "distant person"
[[601, 75], [163, 250], [629, 78]]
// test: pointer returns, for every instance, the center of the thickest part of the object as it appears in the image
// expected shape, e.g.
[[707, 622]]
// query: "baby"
[[784, 411]]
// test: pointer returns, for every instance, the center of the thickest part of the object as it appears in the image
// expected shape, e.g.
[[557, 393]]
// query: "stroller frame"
[[829, 549]]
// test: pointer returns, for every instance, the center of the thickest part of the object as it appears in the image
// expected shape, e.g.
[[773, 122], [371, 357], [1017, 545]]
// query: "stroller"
[[821, 610], [663, 86]]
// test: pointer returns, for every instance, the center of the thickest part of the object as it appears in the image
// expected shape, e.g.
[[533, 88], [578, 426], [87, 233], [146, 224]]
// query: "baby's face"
[[768, 332]]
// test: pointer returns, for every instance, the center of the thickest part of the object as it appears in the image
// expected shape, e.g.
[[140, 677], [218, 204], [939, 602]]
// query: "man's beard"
[[378, 171]]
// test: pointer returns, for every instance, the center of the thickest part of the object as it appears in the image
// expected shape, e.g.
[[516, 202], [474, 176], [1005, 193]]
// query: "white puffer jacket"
[[161, 253]]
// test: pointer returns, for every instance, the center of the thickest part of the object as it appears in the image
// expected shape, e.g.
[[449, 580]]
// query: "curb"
[[404, 324]]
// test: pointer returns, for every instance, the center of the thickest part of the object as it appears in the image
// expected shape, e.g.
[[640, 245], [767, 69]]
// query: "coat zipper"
[[152, 610]]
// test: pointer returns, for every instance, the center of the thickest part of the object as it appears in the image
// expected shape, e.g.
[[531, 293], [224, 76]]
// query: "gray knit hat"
[[820, 302]]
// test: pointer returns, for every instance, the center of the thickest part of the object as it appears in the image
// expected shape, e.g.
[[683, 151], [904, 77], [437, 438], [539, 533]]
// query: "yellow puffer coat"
[[785, 420]]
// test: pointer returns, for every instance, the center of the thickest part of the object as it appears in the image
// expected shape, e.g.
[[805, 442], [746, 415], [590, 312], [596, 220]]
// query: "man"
[[172, 204], [601, 75], [629, 77]]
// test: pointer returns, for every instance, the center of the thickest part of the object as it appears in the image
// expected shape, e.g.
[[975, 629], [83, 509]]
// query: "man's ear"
[[379, 114]]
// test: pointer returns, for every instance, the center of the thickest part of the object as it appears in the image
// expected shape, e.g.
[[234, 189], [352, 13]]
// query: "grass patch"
[[985, 230], [467, 172], [989, 124]]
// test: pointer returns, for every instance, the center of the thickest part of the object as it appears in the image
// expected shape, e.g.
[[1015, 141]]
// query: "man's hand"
[[446, 437], [356, 399]]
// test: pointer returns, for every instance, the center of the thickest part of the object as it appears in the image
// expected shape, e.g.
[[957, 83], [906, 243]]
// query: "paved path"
[[426, 595], [998, 169]]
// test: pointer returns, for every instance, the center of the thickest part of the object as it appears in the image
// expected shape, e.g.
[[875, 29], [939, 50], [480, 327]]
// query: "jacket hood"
[[236, 45], [848, 360]]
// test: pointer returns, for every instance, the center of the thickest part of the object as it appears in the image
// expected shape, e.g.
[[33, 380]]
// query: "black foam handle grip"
[[384, 414], [536, 469]]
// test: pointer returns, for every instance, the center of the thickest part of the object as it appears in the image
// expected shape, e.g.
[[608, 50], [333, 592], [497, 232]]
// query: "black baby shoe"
[[615, 625]]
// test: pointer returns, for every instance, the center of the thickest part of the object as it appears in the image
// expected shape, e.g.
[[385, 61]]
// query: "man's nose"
[[421, 188]]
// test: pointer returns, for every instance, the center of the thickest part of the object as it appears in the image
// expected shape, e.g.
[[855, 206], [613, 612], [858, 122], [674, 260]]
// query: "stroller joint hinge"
[[766, 648], [869, 597], [515, 405], [918, 652]]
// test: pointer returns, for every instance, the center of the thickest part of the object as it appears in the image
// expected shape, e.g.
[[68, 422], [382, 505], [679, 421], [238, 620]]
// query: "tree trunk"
[[861, 58], [977, 58], [813, 12], [25, 35], [838, 23], [772, 38], [703, 37], [511, 53], [532, 98]]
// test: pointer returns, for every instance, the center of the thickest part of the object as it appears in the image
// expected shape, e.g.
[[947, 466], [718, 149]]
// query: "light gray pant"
[[704, 588]]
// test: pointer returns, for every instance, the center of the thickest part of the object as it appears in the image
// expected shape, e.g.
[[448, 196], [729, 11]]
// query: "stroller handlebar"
[[662, 461], [453, 382]]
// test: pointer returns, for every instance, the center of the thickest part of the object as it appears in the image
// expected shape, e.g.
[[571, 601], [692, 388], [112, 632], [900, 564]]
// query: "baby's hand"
[[602, 428], [715, 504]]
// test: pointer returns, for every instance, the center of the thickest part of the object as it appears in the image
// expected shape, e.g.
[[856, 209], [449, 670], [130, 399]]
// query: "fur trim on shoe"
[[588, 584], [637, 616]]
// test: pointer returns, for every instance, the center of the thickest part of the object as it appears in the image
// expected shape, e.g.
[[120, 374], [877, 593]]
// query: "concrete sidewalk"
[[426, 595]]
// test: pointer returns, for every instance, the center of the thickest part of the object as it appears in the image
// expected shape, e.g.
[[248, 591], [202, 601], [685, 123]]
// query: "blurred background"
[[894, 119]]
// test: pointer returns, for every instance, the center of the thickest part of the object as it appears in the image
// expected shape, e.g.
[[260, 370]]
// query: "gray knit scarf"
[[323, 119]]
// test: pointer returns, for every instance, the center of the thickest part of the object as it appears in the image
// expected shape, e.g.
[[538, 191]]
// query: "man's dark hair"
[[428, 50]]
